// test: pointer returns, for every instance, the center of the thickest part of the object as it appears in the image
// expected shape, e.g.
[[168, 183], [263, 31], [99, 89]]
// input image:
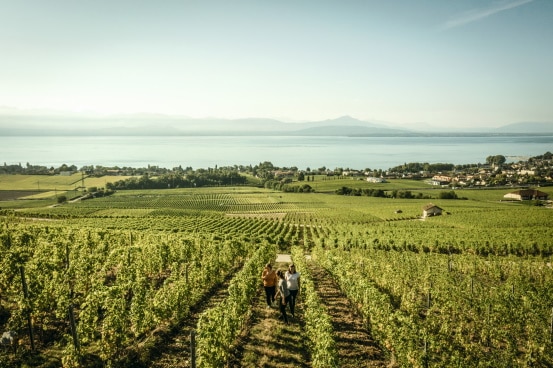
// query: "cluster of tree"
[[29, 169], [496, 160], [450, 195], [99, 170], [361, 192], [287, 186], [546, 156], [199, 178], [403, 194], [303, 177], [407, 194], [415, 167]]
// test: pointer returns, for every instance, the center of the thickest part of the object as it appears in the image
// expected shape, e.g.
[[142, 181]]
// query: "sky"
[[443, 63]]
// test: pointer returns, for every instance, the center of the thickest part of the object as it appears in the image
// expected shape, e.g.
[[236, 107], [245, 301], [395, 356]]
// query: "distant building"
[[352, 173], [442, 178], [526, 195], [431, 210], [372, 179]]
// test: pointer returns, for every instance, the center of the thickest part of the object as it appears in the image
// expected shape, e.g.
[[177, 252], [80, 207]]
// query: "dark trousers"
[[293, 297], [282, 308], [270, 294]]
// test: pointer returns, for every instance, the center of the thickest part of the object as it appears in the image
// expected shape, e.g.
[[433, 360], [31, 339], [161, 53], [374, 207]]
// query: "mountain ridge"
[[18, 123]]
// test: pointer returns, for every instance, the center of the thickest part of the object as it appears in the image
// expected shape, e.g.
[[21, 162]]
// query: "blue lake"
[[302, 152]]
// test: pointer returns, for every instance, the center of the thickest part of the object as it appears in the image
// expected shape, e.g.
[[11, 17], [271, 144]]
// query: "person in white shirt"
[[293, 282]]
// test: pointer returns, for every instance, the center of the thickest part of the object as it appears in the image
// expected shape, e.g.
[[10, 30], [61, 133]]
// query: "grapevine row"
[[119, 285], [318, 324], [218, 327], [449, 311]]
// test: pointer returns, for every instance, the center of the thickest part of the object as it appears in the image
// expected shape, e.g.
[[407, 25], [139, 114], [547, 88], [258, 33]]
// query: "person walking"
[[270, 279], [293, 282], [283, 296]]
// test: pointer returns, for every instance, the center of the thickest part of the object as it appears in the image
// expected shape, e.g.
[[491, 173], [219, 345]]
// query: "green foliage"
[[448, 195], [122, 284], [466, 310], [318, 324], [496, 160], [218, 327], [197, 179], [416, 167]]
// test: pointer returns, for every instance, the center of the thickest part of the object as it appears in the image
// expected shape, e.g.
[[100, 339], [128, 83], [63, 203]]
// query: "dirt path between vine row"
[[267, 342], [356, 348]]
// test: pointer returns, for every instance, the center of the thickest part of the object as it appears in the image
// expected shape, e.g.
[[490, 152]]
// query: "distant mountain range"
[[15, 123]]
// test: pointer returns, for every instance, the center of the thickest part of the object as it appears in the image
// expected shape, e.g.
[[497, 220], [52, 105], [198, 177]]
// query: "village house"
[[526, 195], [441, 180], [431, 210]]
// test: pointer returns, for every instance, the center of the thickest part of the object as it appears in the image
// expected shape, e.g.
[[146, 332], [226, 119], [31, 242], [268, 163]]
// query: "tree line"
[[180, 180]]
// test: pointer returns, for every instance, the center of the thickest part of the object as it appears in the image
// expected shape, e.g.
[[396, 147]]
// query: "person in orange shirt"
[[269, 278]]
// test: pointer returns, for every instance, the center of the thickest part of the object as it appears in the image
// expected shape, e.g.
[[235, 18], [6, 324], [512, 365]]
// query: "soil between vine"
[[356, 348]]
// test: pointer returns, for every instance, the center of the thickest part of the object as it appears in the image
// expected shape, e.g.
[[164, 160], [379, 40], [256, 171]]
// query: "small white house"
[[431, 210]]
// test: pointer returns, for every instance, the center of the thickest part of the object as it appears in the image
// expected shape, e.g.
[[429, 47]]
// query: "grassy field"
[[54, 182], [322, 183]]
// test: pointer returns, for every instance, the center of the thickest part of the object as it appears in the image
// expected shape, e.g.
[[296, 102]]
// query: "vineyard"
[[92, 283]]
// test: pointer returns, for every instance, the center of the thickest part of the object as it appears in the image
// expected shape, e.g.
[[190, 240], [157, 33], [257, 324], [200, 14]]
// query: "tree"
[[448, 195], [496, 160]]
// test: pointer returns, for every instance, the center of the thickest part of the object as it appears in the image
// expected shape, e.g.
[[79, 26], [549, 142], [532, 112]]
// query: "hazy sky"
[[440, 62]]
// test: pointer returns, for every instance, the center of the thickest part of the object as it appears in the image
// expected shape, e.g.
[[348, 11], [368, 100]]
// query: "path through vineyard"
[[269, 343]]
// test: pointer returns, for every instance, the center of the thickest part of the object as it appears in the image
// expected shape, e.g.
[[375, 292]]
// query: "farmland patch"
[[10, 195]]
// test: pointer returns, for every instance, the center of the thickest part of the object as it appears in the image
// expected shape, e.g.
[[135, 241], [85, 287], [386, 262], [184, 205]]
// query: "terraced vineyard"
[[91, 283]]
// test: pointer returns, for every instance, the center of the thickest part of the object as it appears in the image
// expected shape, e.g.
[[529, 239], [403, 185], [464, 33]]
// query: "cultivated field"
[[124, 280]]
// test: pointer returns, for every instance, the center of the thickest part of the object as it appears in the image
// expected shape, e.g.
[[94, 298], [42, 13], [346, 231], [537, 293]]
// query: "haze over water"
[[301, 152]]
